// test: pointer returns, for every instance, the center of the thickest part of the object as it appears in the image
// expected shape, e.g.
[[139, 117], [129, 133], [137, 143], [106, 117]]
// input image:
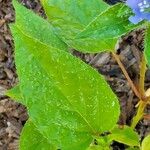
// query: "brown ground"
[[13, 115]]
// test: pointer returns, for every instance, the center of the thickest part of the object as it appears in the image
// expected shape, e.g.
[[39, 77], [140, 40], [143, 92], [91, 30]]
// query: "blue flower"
[[141, 9]]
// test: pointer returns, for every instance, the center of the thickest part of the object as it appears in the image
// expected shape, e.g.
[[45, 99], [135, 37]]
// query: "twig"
[[126, 75], [142, 76]]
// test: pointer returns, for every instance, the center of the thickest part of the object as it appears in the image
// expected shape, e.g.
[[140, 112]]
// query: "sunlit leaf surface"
[[67, 100], [69, 17], [88, 26]]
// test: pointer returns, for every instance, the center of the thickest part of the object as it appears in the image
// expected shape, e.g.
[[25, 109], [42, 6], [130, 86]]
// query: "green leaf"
[[103, 32], [68, 101], [36, 27], [89, 31], [32, 139], [70, 17], [48, 108], [146, 143], [75, 106], [68, 74], [147, 43], [125, 135]]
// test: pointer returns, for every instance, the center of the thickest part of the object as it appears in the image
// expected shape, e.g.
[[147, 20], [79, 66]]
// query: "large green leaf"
[[147, 44], [32, 139], [47, 106], [66, 71], [74, 104], [146, 143], [69, 17], [68, 101], [87, 30], [125, 135]]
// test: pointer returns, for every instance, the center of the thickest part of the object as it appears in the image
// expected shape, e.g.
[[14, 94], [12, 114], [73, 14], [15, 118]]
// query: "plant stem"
[[143, 102], [139, 114], [140, 94], [142, 76], [126, 75]]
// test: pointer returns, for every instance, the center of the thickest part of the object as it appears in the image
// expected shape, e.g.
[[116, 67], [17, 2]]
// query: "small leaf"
[[146, 143], [125, 135], [147, 44], [89, 31], [32, 139]]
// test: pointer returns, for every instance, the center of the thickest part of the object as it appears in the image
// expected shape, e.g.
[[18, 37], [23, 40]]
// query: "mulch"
[[13, 115]]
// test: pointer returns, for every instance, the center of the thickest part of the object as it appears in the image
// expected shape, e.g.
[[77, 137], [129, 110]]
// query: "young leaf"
[[89, 31], [125, 135], [36, 27], [103, 32], [71, 17], [32, 139], [147, 44], [146, 143]]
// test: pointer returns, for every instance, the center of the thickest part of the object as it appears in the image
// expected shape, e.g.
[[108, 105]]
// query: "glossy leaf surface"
[[88, 34], [49, 110], [103, 32], [69, 17], [67, 100], [82, 96]]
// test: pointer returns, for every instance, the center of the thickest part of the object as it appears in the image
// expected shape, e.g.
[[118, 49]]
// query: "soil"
[[13, 115]]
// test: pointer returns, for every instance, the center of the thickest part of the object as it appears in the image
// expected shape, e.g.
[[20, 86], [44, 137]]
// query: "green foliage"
[[125, 135], [70, 17], [87, 30], [68, 101], [146, 143]]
